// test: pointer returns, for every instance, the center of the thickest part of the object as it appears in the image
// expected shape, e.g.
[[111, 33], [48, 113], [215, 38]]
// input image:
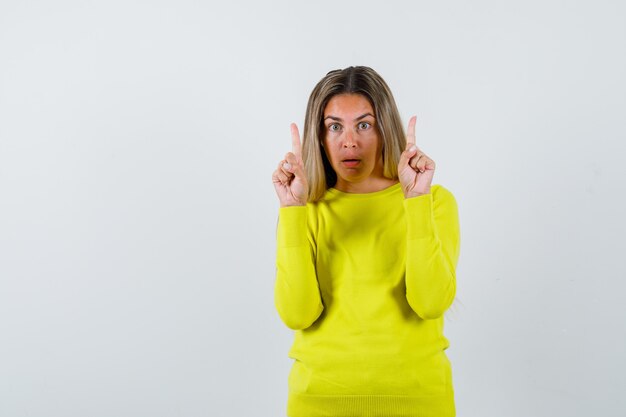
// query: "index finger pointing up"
[[296, 146], [410, 134]]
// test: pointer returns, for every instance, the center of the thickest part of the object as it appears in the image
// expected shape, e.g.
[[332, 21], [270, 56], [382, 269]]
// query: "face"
[[352, 144]]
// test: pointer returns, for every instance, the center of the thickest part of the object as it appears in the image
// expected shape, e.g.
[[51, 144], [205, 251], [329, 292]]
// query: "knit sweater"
[[364, 280]]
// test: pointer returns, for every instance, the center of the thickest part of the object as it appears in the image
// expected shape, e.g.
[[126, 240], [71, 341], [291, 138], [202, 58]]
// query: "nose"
[[349, 141]]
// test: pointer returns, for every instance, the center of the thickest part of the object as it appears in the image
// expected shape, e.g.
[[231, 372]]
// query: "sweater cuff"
[[292, 226], [419, 216]]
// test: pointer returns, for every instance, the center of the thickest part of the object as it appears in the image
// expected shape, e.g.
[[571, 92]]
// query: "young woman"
[[367, 249]]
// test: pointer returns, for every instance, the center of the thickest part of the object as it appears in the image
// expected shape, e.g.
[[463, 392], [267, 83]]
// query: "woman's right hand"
[[289, 178]]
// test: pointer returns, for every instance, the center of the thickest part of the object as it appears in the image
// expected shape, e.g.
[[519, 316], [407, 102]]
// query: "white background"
[[137, 215]]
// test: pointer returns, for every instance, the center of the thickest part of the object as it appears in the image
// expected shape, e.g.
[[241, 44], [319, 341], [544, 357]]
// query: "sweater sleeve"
[[432, 251], [296, 291]]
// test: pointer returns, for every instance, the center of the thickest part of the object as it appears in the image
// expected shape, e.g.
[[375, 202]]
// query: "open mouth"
[[351, 163]]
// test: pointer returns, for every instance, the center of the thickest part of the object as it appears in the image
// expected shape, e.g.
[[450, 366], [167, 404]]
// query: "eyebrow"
[[338, 119]]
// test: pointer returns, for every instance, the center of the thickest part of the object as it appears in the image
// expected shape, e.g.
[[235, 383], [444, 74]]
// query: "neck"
[[372, 185]]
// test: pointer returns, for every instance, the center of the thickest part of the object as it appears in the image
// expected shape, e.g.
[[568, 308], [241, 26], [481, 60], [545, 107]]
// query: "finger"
[[291, 159], [285, 168], [296, 145], [295, 166], [410, 134], [421, 165], [425, 163], [413, 162], [280, 175], [406, 156]]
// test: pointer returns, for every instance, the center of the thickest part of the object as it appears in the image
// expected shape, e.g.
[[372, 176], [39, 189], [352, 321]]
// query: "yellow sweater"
[[364, 280]]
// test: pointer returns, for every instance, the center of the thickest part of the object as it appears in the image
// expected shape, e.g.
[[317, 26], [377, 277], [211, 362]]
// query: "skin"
[[353, 146], [354, 149], [415, 169]]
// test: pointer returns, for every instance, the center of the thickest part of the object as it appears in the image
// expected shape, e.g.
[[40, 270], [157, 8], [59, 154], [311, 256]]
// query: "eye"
[[334, 127], [364, 125]]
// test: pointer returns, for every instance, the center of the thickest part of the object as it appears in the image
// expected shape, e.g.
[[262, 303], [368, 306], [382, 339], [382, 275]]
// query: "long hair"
[[351, 80]]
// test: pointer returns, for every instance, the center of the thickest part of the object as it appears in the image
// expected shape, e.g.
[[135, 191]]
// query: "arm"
[[432, 251], [296, 292]]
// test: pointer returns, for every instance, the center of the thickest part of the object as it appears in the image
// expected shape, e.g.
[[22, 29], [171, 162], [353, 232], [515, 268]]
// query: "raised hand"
[[289, 178], [415, 169]]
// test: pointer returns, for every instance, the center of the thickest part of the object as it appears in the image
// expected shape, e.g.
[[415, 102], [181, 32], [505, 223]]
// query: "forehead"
[[348, 106]]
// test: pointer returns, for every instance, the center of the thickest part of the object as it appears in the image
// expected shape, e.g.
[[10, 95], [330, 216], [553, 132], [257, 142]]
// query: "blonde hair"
[[351, 80]]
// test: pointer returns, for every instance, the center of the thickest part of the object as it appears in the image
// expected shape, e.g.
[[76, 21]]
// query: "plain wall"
[[137, 214]]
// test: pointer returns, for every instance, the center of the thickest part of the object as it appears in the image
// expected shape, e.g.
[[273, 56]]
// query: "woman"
[[366, 256]]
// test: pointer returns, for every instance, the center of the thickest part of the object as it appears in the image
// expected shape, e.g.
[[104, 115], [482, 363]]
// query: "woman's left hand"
[[415, 169]]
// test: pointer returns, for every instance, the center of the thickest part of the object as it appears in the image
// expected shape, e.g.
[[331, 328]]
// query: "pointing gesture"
[[415, 169], [289, 178], [296, 146]]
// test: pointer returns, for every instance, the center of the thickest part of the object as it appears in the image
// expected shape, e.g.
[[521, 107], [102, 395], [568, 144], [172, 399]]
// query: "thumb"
[[298, 170], [410, 152], [294, 165]]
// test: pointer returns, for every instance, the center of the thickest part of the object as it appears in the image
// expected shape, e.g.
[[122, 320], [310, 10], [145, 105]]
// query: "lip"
[[351, 162]]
